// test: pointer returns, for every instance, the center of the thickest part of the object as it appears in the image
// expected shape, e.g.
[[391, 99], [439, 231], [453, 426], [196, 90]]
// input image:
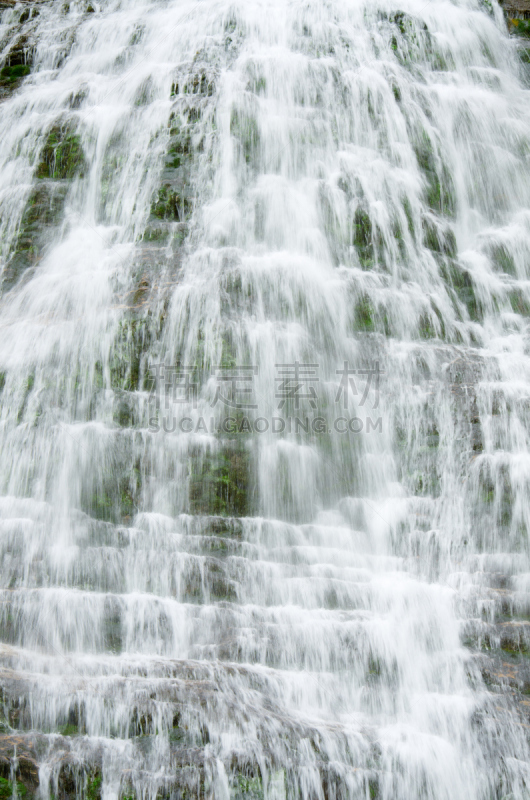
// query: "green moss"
[[69, 730], [6, 789], [114, 498], [62, 156], [440, 192], [170, 205], [93, 789], [403, 22], [363, 238], [248, 788], [520, 27], [514, 649], [155, 235], [220, 483], [102, 505], [180, 148], [438, 241], [44, 208], [28, 13], [460, 281], [362, 235], [424, 151], [502, 259], [364, 315], [2, 380], [129, 350], [11, 74], [426, 327], [410, 35], [41, 215], [373, 789], [198, 84]]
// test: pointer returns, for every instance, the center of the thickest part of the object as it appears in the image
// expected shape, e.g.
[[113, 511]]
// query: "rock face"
[[202, 196], [516, 9], [517, 13]]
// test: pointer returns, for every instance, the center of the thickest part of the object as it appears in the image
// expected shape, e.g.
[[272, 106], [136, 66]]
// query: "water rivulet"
[[264, 401]]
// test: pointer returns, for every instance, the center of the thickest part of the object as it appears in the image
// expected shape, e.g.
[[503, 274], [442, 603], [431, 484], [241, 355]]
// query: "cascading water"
[[264, 381]]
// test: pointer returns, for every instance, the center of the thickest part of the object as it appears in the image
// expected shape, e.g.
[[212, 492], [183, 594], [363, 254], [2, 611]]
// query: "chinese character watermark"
[[295, 389], [294, 379]]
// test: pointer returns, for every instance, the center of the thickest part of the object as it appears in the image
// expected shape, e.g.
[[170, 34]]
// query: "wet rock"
[[27, 773], [508, 674], [220, 482], [39, 222], [62, 156]]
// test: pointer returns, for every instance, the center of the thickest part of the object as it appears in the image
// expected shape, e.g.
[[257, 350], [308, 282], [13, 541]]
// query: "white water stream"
[[272, 615]]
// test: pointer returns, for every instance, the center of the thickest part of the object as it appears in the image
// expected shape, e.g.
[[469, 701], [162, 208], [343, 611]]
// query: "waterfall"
[[264, 400]]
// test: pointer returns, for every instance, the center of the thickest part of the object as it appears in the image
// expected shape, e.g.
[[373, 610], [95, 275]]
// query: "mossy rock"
[[129, 350], [438, 240], [6, 789], [411, 37], [62, 157], [154, 235], [502, 259], [363, 238], [69, 730], [220, 483], [459, 279], [520, 303], [10, 74], [168, 204], [28, 13], [43, 210], [520, 27], [440, 191], [114, 498], [364, 319], [247, 787], [21, 53], [71, 783], [198, 83], [124, 411], [426, 327], [373, 789], [41, 215], [180, 149]]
